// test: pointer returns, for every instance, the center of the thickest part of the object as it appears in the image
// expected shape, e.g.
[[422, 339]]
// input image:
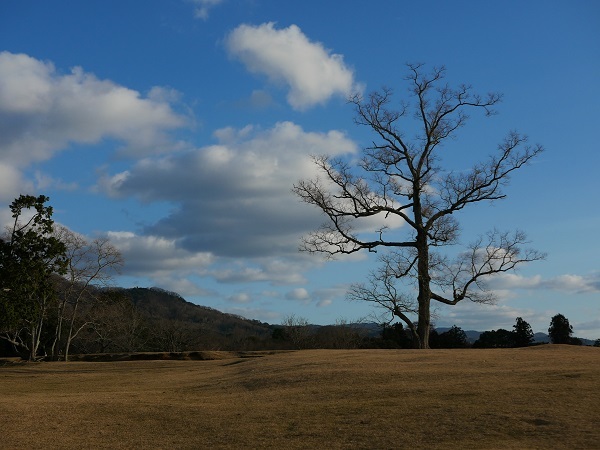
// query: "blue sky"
[[178, 128]]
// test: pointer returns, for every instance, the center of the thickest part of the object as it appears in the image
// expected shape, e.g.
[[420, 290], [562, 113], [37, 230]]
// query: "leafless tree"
[[399, 177], [91, 265], [298, 331]]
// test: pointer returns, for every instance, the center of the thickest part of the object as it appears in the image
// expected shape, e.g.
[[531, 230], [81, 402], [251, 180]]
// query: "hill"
[[189, 326]]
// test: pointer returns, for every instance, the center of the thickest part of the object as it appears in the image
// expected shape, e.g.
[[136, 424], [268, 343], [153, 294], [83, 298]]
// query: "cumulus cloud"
[[163, 262], [43, 111], [299, 294], [286, 56], [12, 183], [576, 284], [234, 198], [278, 271], [157, 256]]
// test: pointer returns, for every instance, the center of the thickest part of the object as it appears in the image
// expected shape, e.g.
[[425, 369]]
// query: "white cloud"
[[312, 73], [203, 7], [274, 270], [240, 297], [576, 284], [157, 257], [44, 182], [43, 111], [12, 183], [475, 316], [299, 294], [234, 197]]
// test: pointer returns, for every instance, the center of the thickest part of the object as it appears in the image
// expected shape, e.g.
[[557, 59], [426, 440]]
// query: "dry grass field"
[[540, 398]]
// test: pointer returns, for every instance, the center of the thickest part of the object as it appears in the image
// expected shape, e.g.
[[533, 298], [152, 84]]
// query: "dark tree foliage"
[[560, 330], [395, 336], [29, 256], [455, 337], [500, 338], [523, 334]]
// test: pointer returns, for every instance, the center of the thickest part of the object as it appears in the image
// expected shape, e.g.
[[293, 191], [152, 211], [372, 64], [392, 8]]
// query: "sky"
[[177, 128]]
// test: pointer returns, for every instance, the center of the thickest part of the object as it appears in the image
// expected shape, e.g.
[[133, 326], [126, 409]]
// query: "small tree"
[[523, 334], [399, 177], [560, 330]]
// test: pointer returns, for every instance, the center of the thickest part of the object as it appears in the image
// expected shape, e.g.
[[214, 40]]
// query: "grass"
[[539, 397]]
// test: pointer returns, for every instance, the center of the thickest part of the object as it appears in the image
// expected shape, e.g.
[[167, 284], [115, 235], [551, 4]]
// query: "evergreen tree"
[[560, 330], [523, 334]]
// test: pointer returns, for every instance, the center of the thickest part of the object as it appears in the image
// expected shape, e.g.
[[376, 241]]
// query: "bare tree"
[[298, 331], [400, 177], [90, 265]]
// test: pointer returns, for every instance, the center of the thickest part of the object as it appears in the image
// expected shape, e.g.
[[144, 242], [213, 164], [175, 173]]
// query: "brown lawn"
[[540, 397]]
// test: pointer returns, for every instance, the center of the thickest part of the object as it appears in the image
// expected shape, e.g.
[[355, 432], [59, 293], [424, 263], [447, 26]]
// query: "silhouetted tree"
[[395, 336], [29, 257], [399, 180], [500, 338], [560, 330], [455, 337], [597, 343], [523, 334]]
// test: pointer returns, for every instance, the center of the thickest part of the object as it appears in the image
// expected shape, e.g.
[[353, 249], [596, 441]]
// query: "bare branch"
[[497, 252]]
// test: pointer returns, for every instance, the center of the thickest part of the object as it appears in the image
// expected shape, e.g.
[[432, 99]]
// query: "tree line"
[[57, 298], [298, 332]]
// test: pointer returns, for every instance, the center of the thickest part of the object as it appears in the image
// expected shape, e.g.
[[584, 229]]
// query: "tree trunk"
[[424, 296], [70, 334], [55, 350]]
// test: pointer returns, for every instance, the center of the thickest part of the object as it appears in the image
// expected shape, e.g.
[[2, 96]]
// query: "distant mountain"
[[542, 337]]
